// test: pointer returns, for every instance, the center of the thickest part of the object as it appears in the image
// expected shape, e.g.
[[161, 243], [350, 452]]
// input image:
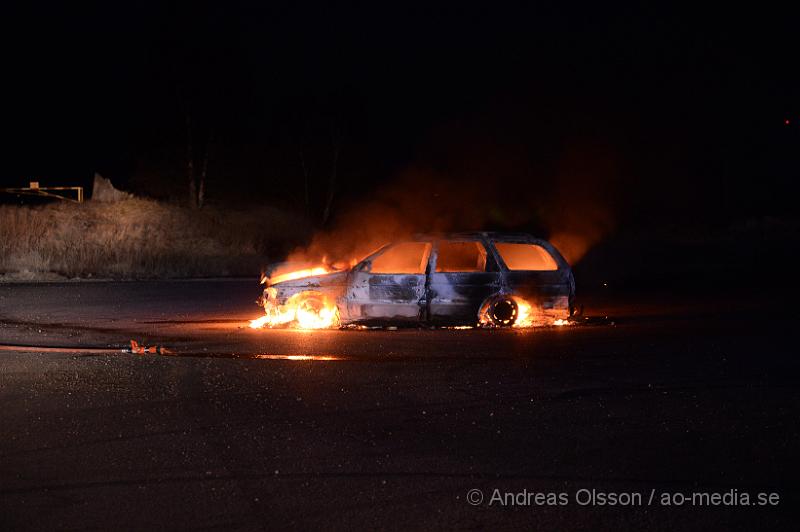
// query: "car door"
[[391, 284], [537, 272], [463, 274]]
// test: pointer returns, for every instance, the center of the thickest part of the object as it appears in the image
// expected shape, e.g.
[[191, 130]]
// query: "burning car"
[[464, 279]]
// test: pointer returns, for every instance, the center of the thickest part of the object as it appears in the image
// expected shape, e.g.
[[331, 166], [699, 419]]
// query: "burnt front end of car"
[[306, 302]]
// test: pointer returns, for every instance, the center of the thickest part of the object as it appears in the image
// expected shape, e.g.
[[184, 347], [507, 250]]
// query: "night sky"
[[662, 113]]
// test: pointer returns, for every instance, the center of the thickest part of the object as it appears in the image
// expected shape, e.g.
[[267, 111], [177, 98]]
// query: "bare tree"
[[196, 181], [201, 187], [337, 135], [319, 138], [190, 162], [326, 213], [306, 178]]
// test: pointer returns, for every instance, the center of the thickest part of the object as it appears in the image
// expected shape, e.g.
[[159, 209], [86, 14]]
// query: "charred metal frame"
[[438, 297]]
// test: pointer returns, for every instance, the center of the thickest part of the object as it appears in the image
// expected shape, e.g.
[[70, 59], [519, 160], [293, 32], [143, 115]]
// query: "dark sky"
[[677, 110]]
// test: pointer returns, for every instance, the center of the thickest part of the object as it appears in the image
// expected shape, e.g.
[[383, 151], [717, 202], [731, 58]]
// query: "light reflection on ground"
[[299, 357]]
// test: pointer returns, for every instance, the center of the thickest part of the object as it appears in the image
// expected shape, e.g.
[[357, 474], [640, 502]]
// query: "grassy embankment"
[[139, 238]]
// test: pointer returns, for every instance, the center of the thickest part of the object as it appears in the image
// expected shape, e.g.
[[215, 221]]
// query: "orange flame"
[[530, 316], [298, 274], [305, 310], [525, 315]]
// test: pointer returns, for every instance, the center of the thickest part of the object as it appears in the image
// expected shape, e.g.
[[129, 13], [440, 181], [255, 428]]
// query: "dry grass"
[[139, 238]]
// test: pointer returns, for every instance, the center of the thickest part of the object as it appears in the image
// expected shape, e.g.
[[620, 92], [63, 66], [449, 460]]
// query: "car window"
[[406, 257], [460, 257], [525, 256]]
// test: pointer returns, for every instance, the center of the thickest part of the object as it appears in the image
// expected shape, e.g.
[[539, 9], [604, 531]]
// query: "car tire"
[[500, 311]]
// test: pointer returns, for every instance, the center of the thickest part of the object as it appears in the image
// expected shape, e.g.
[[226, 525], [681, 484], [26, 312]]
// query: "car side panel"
[[457, 296], [551, 291], [383, 297]]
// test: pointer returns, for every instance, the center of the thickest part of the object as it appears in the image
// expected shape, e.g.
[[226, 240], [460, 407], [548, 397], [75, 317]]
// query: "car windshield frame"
[[365, 265]]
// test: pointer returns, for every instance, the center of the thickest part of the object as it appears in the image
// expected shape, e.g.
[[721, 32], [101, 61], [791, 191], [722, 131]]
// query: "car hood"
[[315, 281]]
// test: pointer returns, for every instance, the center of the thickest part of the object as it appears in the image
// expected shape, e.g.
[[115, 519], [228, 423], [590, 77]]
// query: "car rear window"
[[460, 257], [406, 257], [525, 257]]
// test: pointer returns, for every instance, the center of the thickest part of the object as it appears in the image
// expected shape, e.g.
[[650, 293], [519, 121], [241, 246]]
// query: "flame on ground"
[[530, 316], [524, 315], [306, 310]]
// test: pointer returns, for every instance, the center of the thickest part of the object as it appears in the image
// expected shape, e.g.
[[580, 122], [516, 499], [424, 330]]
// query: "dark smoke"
[[486, 187]]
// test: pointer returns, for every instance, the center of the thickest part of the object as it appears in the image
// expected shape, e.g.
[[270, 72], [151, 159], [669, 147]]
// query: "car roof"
[[478, 235], [487, 238]]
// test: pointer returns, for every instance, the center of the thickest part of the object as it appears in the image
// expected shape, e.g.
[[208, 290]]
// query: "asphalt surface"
[[266, 429]]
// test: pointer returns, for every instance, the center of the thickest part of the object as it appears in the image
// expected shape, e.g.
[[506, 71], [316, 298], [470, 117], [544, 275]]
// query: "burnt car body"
[[451, 279]]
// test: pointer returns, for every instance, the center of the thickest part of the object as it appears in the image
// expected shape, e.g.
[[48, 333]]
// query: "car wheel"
[[314, 310], [500, 311]]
